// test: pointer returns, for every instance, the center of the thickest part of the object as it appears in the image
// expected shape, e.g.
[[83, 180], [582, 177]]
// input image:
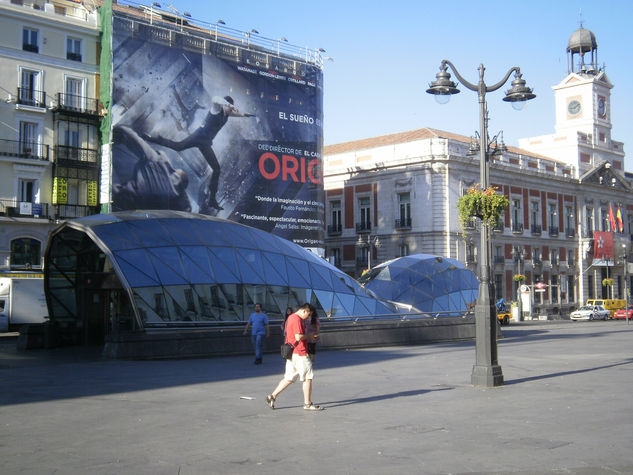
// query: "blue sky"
[[386, 53]]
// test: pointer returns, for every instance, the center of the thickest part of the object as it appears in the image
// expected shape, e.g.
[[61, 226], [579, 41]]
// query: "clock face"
[[574, 107], [601, 107]]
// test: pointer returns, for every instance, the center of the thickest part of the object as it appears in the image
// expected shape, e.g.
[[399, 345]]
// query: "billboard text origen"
[[218, 130]]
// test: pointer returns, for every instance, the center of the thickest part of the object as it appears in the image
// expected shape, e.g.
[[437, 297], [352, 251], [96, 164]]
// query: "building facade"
[[49, 117], [396, 195]]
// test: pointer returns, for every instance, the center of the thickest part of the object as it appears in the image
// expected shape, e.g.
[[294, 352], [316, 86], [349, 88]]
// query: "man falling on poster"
[[202, 138]]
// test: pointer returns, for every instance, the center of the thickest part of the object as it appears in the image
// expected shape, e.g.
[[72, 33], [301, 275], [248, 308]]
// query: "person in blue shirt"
[[260, 329]]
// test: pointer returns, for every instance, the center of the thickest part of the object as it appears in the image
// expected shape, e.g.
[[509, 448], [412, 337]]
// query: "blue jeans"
[[258, 343]]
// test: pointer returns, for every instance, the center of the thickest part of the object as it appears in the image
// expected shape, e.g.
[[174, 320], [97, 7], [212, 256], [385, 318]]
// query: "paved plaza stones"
[[566, 407]]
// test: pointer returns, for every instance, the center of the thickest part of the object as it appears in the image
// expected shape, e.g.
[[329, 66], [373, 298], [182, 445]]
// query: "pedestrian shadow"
[[567, 373], [382, 397]]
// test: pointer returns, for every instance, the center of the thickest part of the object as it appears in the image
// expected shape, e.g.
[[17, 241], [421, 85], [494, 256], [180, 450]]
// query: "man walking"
[[259, 322], [301, 365]]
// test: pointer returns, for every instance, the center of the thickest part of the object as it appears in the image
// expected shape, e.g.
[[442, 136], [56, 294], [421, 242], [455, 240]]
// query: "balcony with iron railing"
[[72, 103], [536, 229], [15, 209], [587, 233], [570, 232], [403, 223], [499, 259], [334, 229], [76, 156], [363, 227], [517, 228], [23, 149], [553, 231], [72, 211], [498, 227], [33, 48], [73, 56], [26, 209], [31, 97]]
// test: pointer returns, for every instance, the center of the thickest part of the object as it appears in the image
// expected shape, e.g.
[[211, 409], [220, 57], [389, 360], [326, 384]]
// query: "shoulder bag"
[[287, 349]]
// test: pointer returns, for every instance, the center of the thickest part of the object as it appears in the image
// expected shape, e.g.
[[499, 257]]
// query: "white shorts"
[[299, 366]]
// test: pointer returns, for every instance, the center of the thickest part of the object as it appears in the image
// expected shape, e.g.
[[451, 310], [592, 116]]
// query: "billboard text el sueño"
[[218, 130]]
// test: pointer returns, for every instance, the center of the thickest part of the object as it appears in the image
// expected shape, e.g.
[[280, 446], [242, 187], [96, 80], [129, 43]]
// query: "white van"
[[21, 301]]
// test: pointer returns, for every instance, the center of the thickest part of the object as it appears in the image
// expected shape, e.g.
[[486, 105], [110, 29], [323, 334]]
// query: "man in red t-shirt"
[[301, 365]]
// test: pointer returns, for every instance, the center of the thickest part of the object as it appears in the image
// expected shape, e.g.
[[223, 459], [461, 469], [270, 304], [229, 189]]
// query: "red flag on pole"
[[602, 245], [611, 218], [618, 218]]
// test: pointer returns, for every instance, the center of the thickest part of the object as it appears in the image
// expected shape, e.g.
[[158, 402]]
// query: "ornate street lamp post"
[[369, 244], [486, 371]]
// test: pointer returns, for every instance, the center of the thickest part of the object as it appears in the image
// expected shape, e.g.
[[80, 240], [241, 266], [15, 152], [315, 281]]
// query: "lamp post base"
[[488, 376]]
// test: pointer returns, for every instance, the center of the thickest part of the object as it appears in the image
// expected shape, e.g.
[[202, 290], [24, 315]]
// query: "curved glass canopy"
[[428, 283], [164, 267]]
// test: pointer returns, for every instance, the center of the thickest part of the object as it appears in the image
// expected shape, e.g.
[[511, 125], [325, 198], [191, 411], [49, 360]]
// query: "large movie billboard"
[[219, 130]]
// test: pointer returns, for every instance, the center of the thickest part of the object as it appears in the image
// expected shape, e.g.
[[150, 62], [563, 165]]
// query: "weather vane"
[[580, 18]]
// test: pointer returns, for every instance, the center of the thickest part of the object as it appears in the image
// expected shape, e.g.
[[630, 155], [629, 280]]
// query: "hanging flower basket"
[[486, 205], [607, 282], [518, 277]]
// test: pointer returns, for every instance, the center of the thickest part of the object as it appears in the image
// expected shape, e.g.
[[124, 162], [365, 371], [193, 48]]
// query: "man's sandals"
[[270, 401]]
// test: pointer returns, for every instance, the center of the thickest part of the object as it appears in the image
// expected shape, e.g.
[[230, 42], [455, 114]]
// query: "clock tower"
[[583, 97], [583, 112]]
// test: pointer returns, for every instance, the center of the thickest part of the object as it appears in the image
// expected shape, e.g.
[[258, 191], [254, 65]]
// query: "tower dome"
[[581, 42]]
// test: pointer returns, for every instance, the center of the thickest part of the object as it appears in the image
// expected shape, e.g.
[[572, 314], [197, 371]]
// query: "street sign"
[[539, 285]]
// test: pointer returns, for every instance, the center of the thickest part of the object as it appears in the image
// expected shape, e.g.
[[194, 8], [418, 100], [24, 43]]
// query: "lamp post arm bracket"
[[469, 85], [504, 80]]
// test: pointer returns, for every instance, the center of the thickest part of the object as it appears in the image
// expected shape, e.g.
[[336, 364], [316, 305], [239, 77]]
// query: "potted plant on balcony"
[[608, 282], [518, 277], [486, 205]]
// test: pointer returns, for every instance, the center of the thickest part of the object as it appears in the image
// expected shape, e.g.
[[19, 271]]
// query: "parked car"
[[621, 314], [610, 304], [589, 312]]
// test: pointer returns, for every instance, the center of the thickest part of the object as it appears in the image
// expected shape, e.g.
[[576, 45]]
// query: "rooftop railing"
[[181, 22]]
